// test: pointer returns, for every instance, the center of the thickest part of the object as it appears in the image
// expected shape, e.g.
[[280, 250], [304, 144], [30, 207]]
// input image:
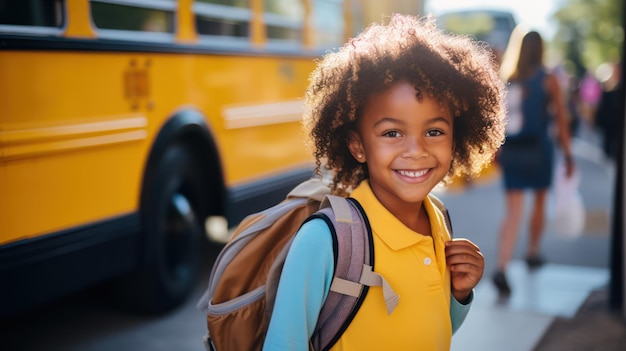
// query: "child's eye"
[[391, 134], [434, 132]]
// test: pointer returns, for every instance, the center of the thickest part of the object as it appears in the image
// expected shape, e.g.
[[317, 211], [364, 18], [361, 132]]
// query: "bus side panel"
[[71, 146], [254, 107], [74, 144]]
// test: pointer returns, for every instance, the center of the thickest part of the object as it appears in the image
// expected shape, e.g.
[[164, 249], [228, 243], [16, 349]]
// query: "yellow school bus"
[[126, 124]]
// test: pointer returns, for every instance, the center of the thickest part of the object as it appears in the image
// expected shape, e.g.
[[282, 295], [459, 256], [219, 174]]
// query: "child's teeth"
[[413, 174]]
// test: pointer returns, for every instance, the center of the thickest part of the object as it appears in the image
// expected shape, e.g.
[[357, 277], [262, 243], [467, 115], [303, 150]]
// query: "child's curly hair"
[[455, 70]]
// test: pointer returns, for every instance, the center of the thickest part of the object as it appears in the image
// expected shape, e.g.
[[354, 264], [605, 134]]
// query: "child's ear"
[[356, 147]]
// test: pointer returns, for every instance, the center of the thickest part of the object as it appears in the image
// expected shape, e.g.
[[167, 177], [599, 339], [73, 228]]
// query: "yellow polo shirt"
[[415, 267]]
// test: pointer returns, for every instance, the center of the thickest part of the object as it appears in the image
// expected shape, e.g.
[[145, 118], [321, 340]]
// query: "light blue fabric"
[[304, 286]]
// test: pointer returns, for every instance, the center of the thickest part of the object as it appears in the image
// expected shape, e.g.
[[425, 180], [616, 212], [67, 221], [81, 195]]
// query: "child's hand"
[[466, 264]]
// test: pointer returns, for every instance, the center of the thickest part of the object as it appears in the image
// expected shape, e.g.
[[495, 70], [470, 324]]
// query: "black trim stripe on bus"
[[263, 193], [26, 42], [28, 251], [40, 269]]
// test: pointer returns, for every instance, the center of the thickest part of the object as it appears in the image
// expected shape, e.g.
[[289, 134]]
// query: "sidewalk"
[[541, 300], [595, 327]]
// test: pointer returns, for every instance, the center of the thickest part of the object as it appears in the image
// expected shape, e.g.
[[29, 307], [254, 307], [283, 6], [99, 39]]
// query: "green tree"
[[589, 33]]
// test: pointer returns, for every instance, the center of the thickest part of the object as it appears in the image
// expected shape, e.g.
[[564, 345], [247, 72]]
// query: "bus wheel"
[[172, 217]]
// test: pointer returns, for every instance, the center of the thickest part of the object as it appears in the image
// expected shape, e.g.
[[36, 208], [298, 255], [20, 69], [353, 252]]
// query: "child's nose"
[[415, 148]]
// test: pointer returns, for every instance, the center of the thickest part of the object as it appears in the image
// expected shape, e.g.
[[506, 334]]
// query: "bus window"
[[38, 13], [109, 15], [284, 19], [328, 23], [230, 18]]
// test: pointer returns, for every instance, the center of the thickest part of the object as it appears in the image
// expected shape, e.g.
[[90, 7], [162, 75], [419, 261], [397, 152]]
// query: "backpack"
[[244, 278], [527, 110], [515, 116]]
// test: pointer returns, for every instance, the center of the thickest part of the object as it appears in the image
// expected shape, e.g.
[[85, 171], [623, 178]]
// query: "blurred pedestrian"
[[527, 157], [609, 112], [590, 94], [574, 105]]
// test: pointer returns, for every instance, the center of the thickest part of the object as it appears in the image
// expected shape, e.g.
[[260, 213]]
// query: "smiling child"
[[393, 113]]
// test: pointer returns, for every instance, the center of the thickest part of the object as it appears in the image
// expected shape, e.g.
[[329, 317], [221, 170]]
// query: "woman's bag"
[[569, 209]]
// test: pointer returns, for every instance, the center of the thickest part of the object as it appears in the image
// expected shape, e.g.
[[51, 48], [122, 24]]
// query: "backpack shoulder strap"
[[313, 188], [354, 272], [439, 204]]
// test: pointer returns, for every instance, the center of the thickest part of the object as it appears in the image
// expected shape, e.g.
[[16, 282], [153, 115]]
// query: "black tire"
[[173, 212]]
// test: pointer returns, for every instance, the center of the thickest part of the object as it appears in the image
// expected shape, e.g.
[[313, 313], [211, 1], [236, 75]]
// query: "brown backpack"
[[244, 279]]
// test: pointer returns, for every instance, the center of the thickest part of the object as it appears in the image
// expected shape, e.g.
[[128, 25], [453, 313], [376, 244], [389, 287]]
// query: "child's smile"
[[406, 143], [413, 176]]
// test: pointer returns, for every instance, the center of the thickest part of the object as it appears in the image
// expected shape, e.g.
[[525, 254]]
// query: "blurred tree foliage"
[[589, 33]]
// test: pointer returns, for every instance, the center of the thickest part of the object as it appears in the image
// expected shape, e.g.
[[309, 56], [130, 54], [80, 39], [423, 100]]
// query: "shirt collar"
[[389, 229]]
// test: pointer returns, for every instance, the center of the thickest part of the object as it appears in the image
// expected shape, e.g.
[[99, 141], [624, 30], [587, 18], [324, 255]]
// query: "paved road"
[[84, 322]]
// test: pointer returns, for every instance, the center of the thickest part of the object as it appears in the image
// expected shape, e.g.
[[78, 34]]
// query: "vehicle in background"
[[489, 25], [128, 126]]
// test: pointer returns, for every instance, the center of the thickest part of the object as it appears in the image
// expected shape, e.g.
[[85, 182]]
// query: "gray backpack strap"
[[354, 259]]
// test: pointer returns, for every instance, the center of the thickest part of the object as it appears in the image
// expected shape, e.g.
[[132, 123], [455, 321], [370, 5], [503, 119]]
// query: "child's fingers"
[[466, 275], [463, 252], [473, 264], [466, 264], [463, 256], [460, 244]]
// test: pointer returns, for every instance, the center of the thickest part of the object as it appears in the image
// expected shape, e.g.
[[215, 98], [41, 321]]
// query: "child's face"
[[406, 143]]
